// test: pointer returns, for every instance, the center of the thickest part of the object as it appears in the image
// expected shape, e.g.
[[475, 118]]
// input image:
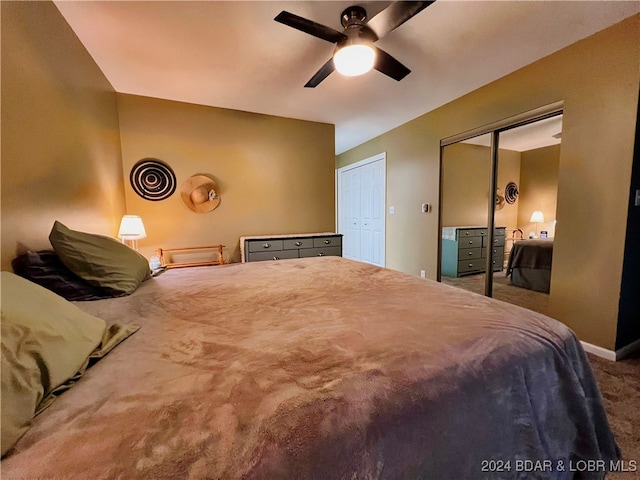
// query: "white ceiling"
[[542, 133], [232, 54]]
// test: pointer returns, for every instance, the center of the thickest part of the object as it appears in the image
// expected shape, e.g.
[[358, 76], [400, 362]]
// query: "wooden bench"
[[166, 262]]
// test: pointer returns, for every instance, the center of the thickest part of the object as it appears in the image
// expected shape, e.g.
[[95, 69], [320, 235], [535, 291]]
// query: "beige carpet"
[[619, 382]]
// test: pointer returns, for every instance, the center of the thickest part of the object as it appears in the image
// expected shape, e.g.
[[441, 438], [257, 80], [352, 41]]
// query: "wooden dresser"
[[464, 250], [276, 247]]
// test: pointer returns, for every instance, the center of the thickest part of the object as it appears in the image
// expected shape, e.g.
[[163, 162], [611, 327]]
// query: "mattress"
[[321, 368]]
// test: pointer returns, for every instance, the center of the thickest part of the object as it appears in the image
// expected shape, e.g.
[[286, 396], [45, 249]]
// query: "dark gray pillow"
[[47, 270], [102, 261]]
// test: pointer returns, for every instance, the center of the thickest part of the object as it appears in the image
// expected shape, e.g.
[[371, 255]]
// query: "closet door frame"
[[494, 129]]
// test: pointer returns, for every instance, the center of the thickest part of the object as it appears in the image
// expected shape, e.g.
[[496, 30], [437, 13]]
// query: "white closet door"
[[361, 210], [375, 219], [350, 209]]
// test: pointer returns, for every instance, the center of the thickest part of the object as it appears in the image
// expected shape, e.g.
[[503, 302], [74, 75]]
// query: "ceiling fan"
[[355, 53]]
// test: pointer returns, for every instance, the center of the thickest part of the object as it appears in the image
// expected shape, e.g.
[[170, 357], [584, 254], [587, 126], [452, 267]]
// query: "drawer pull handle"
[[321, 254], [470, 253], [266, 245], [327, 242], [467, 233], [471, 265], [276, 258], [470, 242], [298, 244]]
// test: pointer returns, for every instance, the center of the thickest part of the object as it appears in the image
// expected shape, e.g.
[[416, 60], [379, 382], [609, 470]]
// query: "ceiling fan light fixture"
[[354, 60]]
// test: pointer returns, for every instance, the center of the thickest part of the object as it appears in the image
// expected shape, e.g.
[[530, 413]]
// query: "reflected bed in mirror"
[[530, 264]]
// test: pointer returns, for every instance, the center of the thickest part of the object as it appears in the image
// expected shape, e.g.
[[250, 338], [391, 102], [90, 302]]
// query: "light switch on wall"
[[392, 210], [426, 208]]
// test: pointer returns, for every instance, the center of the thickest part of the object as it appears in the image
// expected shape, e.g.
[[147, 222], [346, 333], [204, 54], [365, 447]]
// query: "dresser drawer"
[[498, 241], [500, 231], [471, 242], [330, 251], [469, 232], [498, 253], [469, 253], [275, 255], [327, 241], [497, 265], [469, 266], [264, 245], [295, 243]]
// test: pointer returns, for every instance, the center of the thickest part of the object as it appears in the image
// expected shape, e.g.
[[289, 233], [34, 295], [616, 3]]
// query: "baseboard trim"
[[599, 351], [610, 354]]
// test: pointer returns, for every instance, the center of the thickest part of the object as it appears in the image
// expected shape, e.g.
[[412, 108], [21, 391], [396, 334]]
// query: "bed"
[[530, 264], [321, 368]]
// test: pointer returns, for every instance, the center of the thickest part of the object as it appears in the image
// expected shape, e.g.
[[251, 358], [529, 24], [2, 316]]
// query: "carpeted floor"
[[503, 290], [619, 382]]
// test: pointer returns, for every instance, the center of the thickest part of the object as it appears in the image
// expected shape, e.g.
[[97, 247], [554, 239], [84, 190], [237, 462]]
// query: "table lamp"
[[537, 217], [131, 230]]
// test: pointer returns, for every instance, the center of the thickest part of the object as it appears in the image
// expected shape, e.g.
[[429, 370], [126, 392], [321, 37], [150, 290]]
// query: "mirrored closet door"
[[466, 168], [498, 194]]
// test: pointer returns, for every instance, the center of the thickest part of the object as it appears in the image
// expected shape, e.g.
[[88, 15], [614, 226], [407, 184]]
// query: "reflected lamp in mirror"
[[537, 217], [131, 230]]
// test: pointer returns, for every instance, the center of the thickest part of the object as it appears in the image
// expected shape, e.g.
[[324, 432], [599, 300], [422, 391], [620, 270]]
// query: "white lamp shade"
[[131, 228], [537, 217], [354, 60]]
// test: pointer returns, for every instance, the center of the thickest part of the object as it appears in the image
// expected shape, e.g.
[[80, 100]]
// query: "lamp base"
[[133, 244]]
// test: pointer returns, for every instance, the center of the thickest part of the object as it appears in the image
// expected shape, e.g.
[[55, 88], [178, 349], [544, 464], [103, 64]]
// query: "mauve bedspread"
[[321, 368], [535, 253]]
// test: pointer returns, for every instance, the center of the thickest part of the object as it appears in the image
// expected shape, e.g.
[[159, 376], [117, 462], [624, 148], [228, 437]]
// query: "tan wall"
[[60, 141], [466, 171], [539, 188], [465, 185], [509, 170], [276, 175], [597, 79]]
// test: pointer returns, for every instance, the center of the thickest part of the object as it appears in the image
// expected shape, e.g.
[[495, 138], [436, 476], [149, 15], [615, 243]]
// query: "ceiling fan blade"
[[395, 15], [312, 28], [321, 74], [388, 65]]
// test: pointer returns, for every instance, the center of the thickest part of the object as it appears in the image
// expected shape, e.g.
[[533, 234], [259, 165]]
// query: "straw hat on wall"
[[200, 194]]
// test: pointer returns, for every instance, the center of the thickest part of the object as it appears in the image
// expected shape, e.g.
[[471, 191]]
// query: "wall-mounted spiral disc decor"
[[511, 193], [153, 179], [499, 200]]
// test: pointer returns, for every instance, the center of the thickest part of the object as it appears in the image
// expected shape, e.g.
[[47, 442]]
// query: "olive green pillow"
[[46, 340], [102, 261]]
